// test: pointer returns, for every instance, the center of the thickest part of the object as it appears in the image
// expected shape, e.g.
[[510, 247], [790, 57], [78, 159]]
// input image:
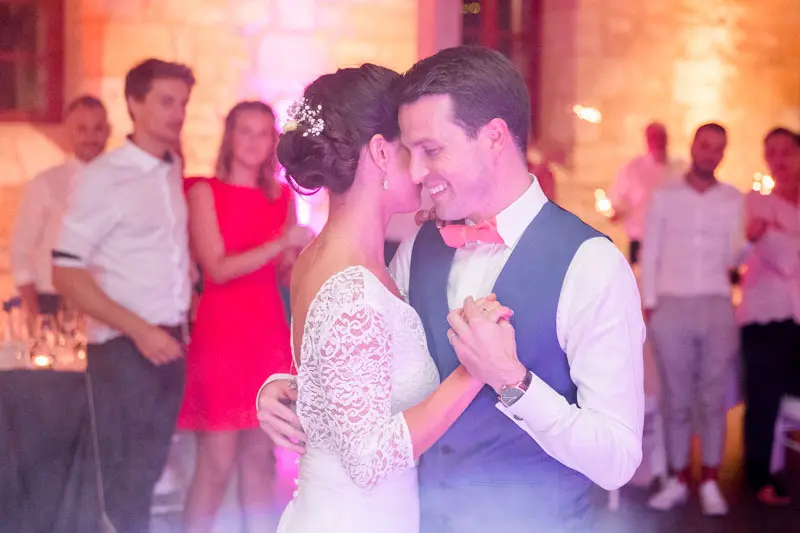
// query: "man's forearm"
[[79, 287]]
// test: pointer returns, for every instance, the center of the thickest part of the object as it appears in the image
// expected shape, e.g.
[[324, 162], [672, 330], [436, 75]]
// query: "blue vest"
[[485, 473]]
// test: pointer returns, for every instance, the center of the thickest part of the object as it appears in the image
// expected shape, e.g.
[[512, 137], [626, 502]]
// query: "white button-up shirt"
[[630, 195], [38, 224], [771, 283], [692, 240], [599, 326], [127, 224]]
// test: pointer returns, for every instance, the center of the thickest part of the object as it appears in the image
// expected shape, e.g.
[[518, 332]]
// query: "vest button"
[[517, 418]]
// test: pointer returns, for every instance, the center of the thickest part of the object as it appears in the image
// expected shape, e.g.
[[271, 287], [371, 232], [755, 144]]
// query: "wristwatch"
[[509, 394]]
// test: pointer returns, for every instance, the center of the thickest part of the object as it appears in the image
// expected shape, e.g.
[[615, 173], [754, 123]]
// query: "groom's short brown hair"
[[482, 83]]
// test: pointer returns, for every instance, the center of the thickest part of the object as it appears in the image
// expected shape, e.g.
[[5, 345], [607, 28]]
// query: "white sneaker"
[[711, 499], [672, 494]]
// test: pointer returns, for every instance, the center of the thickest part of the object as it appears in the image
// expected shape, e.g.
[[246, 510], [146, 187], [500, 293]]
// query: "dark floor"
[[747, 514]]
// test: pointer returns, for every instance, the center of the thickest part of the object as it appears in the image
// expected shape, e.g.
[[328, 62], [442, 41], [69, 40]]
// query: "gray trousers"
[[695, 342]]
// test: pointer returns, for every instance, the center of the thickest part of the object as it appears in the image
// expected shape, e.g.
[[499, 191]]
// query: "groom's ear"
[[496, 136], [379, 151]]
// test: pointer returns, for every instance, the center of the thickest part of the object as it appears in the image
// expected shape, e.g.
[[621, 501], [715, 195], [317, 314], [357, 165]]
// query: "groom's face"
[[449, 164]]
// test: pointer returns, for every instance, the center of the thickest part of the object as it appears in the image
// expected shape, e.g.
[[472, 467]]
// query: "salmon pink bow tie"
[[460, 235]]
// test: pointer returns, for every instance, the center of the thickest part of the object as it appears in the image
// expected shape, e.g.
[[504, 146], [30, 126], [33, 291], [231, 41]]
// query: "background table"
[[47, 482]]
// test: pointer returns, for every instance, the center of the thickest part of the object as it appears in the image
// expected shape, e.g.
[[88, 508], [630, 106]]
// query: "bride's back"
[[363, 360], [319, 262]]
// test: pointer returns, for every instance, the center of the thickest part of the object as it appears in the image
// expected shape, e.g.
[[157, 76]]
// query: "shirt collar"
[[514, 219], [143, 159]]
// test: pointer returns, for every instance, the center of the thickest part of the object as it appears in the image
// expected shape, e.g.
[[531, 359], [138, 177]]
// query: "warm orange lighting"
[[602, 204], [589, 114], [763, 183], [42, 361], [472, 8]]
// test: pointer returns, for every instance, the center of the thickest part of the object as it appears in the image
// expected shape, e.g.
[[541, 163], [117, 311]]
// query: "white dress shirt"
[[692, 240], [127, 224], [771, 282], [630, 195], [599, 326], [38, 224]]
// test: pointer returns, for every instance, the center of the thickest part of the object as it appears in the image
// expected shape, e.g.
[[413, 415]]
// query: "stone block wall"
[[683, 62], [679, 61], [239, 49]]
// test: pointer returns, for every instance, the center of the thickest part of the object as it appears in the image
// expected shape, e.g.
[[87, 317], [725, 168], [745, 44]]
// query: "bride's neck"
[[358, 220]]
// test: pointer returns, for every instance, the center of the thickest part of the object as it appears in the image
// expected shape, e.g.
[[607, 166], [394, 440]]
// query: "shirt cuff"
[[273, 377], [66, 259], [73, 248], [540, 407]]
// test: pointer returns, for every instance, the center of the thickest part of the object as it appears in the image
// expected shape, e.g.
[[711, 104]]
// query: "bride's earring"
[[385, 182]]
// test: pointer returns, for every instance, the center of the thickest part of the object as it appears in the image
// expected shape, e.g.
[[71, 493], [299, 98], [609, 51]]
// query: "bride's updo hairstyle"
[[348, 108]]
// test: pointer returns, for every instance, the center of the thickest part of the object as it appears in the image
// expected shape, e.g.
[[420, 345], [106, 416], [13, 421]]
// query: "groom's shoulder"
[[568, 223]]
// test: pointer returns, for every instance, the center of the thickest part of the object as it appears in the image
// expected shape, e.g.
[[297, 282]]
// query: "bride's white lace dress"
[[364, 360]]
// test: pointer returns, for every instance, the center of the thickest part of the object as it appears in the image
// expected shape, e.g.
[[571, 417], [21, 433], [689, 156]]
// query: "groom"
[[565, 408]]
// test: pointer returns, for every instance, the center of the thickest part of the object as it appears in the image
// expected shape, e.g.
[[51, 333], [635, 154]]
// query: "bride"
[[369, 396]]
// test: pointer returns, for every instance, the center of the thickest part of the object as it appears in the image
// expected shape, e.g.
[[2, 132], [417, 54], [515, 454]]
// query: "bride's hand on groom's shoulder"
[[277, 419], [484, 341]]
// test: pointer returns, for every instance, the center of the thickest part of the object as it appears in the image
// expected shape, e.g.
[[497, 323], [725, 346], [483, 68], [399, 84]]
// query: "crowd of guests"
[[132, 242], [691, 236]]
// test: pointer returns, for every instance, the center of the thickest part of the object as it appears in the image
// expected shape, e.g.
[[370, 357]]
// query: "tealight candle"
[[42, 361]]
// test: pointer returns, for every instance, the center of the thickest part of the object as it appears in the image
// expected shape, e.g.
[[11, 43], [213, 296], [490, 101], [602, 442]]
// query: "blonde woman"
[[241, 225]]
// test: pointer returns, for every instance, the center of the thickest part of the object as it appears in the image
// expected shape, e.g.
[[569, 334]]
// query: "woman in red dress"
[[241, 224]]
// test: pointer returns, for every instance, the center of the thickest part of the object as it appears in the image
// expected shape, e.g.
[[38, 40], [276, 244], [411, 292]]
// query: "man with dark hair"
[[44, 202], [123, 259], [694, 235], [565, 407]]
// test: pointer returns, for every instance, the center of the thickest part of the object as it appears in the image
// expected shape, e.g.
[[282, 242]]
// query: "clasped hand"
[[483, 339]]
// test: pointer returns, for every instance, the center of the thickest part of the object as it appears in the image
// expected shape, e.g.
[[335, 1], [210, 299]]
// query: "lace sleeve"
[[355, 360]]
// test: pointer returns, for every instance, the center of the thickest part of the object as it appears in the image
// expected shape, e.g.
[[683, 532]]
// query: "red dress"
[[241, 335]]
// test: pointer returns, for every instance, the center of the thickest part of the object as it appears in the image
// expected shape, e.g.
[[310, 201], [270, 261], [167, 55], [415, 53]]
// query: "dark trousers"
[[772, 369], [634, 251], [136, 405]]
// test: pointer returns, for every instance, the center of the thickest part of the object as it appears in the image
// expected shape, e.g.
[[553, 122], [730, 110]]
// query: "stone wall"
[[683, 62], [239, 49]]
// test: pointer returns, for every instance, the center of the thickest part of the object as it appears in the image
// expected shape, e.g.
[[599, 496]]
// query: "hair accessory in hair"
[[300, 113]]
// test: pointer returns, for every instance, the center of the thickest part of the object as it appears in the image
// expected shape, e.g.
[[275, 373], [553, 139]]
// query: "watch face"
[[511, 395]]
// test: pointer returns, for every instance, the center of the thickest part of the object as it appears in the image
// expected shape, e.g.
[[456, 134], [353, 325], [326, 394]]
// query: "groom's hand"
[[485, 345], [277, 419]]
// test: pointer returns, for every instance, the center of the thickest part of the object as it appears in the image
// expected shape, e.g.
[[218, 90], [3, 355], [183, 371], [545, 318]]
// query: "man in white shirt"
[[123, 259], [694, 236], [636, 182], [562, 409], [44, 201]]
